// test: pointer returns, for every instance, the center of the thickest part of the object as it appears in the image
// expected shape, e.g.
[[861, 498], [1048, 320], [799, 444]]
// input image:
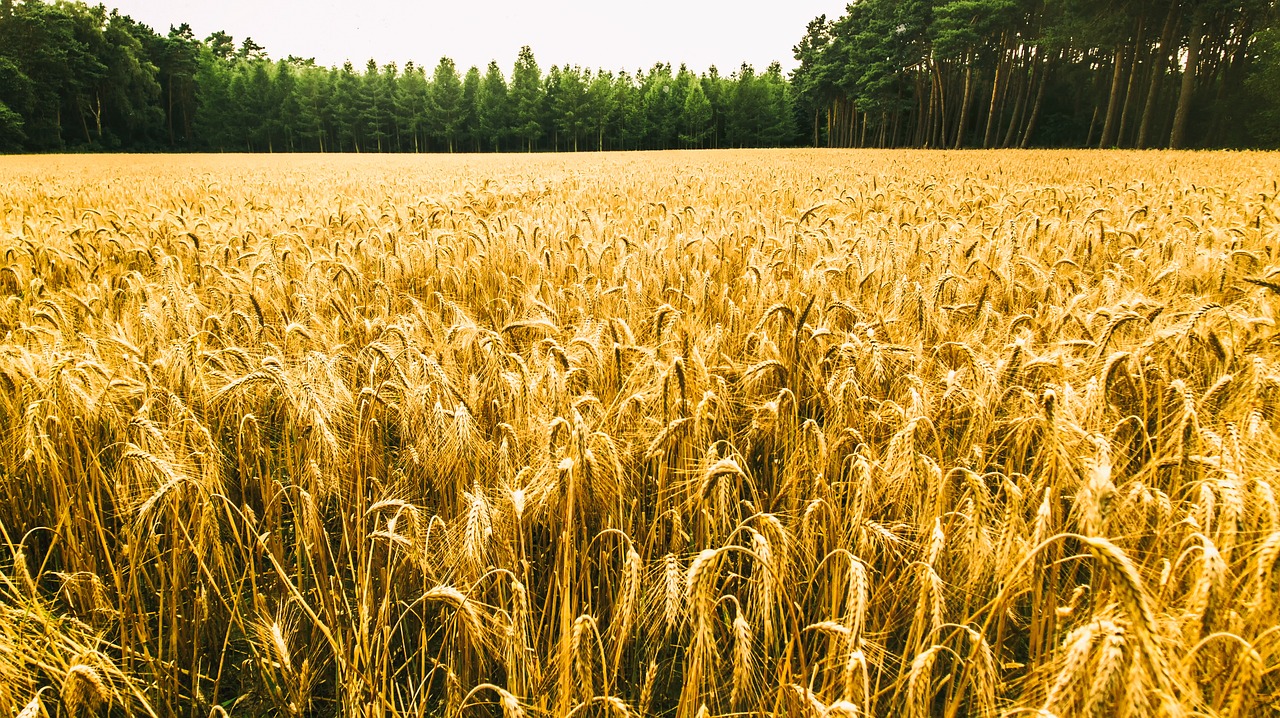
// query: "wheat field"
[[815, 433]]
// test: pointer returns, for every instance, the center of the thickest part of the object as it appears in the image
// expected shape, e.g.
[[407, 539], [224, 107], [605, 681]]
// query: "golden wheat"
[[732, 433]]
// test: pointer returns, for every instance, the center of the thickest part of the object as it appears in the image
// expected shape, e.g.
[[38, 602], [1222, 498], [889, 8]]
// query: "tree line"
[[74, 76], [1021, 73], [888, 73]]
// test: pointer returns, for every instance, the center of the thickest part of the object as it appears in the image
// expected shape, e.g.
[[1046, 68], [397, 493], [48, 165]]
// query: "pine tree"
[[493, 114], [695, 119], [526, 95], [444, 109]]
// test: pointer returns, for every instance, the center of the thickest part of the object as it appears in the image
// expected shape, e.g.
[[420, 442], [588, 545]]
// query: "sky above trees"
[[616, 36]]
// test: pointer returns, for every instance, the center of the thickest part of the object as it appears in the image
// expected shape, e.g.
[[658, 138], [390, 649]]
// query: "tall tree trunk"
[[1158, 59], [834, 139], [924, 113], [1008, 88], [846, 110], [1113, 101], [853, 121], [845, 141], [964, 103], [831, 117], [833, 124], [995, 93], [1030, 129], [1178, 136], [941, 133], [1019, 104], [1133, 78]]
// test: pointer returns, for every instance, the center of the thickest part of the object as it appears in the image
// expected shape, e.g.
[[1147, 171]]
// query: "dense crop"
[[822, 433]]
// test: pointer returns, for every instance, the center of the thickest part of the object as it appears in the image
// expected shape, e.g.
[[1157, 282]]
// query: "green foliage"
[[599, 105], [444, 107], [695, 120], [570, 105], [221, 45], [77, 77], [661, 107], [493, 114], [11, 135], [526, 94], [375, 100], [471, 109], [760, 109], [629, 117], [16, 97]]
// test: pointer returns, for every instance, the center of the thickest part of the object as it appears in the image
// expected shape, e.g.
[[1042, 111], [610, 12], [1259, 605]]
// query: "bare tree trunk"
[[1133, 78], [1035, 109], [964, 104], [1178, 137], [850, 121], [844, 124], [924, 128], [995, 93], [97, 118], [833, 129], [833, 138], [1019, 104], [1158, 60], [942, 105], [831, 111], [1008, 90], [1113, 102]]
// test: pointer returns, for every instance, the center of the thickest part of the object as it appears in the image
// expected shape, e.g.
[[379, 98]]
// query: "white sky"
[[609, 35]]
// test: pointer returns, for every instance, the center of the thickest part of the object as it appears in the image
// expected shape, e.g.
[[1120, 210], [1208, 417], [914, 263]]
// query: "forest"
[[74, 76], [1055, 73], [888, 73]]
